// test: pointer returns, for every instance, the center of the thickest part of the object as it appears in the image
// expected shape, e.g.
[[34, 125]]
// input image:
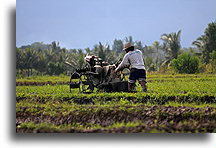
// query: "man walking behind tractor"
[[133, 60]]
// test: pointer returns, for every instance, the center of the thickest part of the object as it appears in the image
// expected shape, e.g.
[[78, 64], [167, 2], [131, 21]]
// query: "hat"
[[127, 45]]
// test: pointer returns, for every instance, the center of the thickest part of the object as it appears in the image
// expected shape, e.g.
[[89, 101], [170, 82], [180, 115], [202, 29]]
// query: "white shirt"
[[133, 59]]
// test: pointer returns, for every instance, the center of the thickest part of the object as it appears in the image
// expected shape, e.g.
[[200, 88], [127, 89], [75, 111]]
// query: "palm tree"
[[117, 46], [207, 42], [200, 42], [157, 46], [20, 60], [30, 56], [171, 45], [104, 52], [41, 63], [129, 39]]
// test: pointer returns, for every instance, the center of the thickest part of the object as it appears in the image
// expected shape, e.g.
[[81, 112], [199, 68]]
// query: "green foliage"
[[117, 46], [210, 67], [186, 63], [50, 59], [171, 44], [174, 103], [55, 68], [161, 89], [207, 42], [149, 63], [58, 117], [44, 58]]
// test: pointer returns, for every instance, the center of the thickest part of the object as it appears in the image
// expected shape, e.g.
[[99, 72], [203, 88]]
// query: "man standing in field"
[[133, 60]]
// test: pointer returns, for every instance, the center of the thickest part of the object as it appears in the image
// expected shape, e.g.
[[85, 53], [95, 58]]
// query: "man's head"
[[128, 47]]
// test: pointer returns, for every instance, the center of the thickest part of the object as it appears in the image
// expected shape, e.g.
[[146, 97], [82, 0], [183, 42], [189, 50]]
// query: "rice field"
[[179, 103]]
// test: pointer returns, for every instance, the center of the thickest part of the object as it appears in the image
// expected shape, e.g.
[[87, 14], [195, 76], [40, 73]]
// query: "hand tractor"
[[98, 74]]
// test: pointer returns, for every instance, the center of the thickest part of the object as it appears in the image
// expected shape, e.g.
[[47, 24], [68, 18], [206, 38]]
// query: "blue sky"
[[84, 23]]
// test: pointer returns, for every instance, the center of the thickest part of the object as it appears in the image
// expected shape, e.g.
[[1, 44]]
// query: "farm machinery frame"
[[99, 74]]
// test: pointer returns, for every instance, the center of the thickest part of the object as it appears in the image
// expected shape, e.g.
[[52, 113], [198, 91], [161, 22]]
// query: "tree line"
[[50, 59]]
